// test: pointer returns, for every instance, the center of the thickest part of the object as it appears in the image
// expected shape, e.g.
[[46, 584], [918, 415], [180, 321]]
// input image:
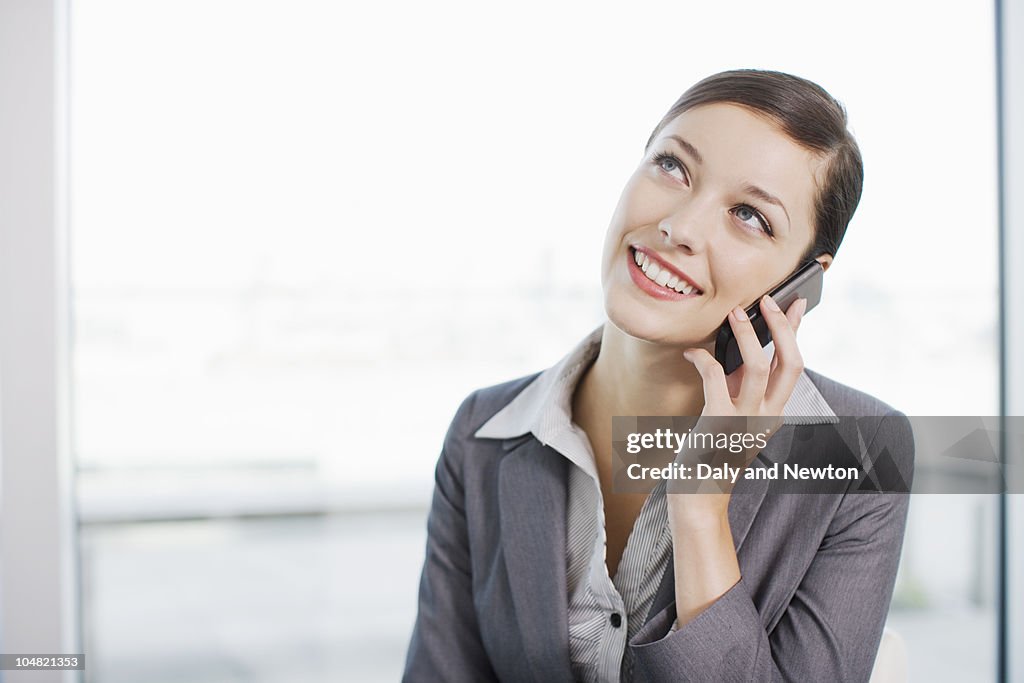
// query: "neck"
[[635, 377]]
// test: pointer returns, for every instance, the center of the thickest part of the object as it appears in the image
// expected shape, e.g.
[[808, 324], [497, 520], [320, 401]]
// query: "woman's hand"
[[749, 401], [758, 387]]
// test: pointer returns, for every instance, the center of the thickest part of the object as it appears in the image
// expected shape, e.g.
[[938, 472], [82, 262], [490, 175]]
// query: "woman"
[[537, 569]]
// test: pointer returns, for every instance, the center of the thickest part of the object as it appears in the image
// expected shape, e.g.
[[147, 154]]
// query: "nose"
[[688, 228]]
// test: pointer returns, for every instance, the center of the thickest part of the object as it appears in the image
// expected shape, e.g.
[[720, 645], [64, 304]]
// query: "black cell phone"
[[804, 283]]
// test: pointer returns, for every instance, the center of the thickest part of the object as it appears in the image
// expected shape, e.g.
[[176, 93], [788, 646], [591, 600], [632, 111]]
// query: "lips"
[[654, 289], [662, 272]]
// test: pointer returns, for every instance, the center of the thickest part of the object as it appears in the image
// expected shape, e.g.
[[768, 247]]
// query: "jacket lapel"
[[532, 497]]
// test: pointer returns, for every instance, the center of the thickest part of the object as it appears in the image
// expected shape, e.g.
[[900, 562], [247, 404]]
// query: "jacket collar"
[[542, 407]]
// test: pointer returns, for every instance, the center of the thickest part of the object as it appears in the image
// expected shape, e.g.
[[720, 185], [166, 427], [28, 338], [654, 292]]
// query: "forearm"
[[829, 629], [705, 559]]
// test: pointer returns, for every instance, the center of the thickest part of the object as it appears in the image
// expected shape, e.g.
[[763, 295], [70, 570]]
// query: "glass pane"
[[256, 600], [303, 231]]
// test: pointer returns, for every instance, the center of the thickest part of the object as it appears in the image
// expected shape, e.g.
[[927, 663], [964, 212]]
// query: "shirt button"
[[616, 619]]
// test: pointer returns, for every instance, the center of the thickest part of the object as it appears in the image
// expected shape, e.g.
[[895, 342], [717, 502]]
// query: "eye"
[[669, 163], [756, 220]]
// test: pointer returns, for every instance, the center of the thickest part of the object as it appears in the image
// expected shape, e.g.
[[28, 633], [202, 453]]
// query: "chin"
[[643, 324]]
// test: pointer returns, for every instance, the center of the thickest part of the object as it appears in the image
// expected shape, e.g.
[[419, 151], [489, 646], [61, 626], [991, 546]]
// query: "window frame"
[[39, 596], [1009, 30]]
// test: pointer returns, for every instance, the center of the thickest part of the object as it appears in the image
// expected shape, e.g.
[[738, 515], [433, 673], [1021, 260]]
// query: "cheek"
[[639, 210], [736, 281], [641, 204], [744, 283]]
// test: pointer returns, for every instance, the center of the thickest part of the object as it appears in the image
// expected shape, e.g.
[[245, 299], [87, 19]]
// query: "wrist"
[[698, 511]]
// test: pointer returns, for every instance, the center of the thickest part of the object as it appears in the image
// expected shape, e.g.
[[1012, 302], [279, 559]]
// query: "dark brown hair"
[[810, 117]]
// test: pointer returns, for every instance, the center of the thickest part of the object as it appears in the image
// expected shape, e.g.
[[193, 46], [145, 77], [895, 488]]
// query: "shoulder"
[[884, 432], [489, 400], [847, 401], [483, 403]]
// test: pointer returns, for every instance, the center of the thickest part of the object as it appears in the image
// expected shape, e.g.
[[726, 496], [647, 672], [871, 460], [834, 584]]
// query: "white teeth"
[[662, 277]]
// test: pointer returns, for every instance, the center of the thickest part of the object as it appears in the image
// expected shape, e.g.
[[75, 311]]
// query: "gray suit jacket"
[[817, 569]]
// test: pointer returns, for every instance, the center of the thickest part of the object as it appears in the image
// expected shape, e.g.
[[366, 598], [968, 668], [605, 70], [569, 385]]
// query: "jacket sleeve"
[[446, 643], [831, 628]]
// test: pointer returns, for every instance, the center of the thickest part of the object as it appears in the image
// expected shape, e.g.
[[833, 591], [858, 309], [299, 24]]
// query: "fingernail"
[[688, 355], [770, 303], [803, 307], [740, 314]]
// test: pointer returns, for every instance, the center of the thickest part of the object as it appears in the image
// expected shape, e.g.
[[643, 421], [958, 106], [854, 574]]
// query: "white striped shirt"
[[604, 613]]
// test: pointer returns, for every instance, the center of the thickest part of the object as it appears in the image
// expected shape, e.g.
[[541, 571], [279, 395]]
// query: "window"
[[295, 225]]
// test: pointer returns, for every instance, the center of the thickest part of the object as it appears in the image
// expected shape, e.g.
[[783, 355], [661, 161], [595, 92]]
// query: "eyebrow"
[[690, 149], [753, 190], [765, 196]]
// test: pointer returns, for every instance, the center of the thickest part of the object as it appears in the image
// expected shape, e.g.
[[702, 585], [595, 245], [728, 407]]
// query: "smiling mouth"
[[659, 276]]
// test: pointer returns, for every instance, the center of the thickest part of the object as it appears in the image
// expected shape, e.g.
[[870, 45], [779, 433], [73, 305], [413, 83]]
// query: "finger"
[[716, 392], [756, 365], [795, 315], [789, 362]]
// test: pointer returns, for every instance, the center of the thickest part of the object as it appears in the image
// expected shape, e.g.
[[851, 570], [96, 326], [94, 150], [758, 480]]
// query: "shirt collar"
[[543, 407]]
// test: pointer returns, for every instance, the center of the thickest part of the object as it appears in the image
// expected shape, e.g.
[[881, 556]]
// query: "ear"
[[825, 260]]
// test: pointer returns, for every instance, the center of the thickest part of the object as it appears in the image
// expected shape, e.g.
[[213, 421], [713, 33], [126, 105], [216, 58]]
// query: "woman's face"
[[708, 175]]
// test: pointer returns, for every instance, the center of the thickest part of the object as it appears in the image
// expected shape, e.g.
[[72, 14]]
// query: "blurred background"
[[296, 225]]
